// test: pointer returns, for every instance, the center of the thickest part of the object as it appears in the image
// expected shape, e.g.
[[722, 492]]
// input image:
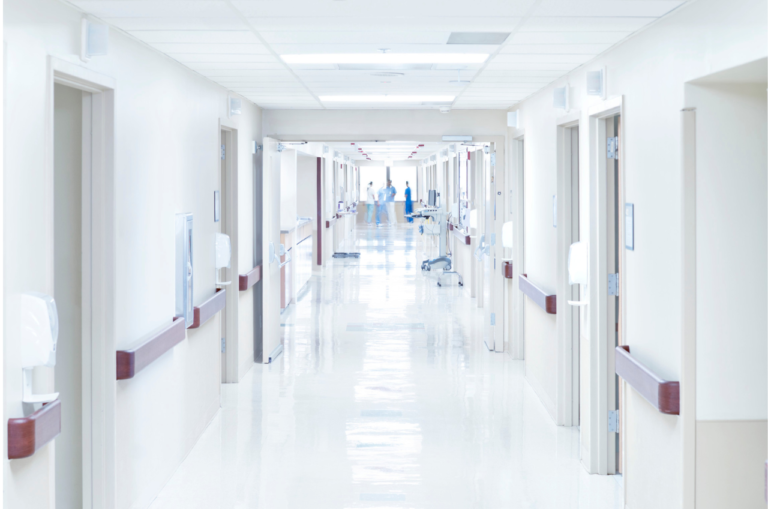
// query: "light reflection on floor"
[[385, 398]]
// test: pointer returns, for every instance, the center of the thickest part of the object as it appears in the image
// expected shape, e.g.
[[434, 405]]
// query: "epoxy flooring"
[[385, 397]]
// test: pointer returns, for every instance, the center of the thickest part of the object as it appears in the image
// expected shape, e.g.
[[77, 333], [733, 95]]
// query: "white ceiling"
[[388, 150], [238, 43]]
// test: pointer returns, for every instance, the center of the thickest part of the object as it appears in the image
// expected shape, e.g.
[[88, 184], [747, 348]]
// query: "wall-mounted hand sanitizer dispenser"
[[184, 267], [223, 255], [578, 267], [39, 334]]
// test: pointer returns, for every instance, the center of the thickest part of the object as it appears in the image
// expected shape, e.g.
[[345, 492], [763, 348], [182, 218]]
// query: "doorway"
[[517, 213], [600, 395], [225, 209], [725, 243], [614, 229], [82, 238], [69, 266], [571, 306]]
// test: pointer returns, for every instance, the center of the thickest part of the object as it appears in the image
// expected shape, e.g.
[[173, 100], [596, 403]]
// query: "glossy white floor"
[[385, 397]]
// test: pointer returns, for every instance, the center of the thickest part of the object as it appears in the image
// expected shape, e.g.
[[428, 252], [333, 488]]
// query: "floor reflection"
[[385, 397]]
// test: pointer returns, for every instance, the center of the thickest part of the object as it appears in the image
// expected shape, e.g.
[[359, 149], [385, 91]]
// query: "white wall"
[[166, 157], [328, 125], [649, 70]]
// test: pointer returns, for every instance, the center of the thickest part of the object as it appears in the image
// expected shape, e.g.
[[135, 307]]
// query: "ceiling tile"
[[374, 37], [156, 9], [558, 49], [532, 66], [586, 24], [375, 10], [542, 59], [560, 37], [230, 49], [197, 36], [181, 23], [603, 8], [218, 57], [431, 23]]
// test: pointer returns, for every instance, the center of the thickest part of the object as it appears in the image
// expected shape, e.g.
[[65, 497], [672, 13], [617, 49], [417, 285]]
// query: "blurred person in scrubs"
[[370, 201], [381, 204], [408, 202], [391, 192]]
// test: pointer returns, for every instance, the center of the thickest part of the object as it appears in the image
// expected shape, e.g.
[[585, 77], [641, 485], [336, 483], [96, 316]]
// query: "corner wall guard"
[[663, 395], [209, 308], [130, 362], [544, 300], [277, 351], [26, 435], [251, 278]]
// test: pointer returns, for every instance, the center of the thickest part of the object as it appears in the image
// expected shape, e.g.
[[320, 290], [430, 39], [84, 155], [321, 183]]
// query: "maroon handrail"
[[131, 361], [250, 278], [544, 300], [663, 395], [28, 434], [209, 308]]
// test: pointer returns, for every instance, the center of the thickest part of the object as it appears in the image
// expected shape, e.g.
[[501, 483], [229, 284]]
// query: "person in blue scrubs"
[[408, 202]]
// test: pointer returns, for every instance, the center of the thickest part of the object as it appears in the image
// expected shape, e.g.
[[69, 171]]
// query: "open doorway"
[[225, 213], [70, 273], [725, 288], [571, 279], [82, 238], [600, 395]]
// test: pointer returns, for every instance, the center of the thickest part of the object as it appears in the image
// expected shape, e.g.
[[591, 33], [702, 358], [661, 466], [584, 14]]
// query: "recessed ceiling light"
[[388, 58], [477, 37], [388, 74], [387, 98]]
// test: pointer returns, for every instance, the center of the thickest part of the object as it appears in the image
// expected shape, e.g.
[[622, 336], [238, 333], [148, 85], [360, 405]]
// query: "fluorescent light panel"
[[387, 58], [386, 98]]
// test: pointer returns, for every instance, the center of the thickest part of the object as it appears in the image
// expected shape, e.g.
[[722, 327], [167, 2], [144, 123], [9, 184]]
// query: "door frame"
[[99, 383], [231, 373], [598, 450], [688, 325], [516, 307], [567, 394]]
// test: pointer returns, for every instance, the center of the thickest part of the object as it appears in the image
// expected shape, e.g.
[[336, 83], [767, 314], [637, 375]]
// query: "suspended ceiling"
[[240, 44]]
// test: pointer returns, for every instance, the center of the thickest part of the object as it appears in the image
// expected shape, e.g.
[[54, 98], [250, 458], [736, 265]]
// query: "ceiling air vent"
[[477, 37]]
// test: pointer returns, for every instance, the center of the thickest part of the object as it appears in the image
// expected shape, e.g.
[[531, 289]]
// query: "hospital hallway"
[[385, 396]]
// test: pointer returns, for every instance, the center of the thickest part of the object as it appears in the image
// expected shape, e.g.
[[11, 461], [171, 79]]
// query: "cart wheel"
[[438, 284], [461, 284]]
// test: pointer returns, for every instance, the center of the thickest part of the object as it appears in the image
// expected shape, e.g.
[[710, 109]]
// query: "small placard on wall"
[[629, 226], [216, 206]]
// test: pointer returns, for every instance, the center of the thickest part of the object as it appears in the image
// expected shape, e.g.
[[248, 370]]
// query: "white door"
[[270, 249]]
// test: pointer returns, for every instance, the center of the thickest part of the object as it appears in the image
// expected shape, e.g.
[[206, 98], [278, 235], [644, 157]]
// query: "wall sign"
[[629, 226]]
